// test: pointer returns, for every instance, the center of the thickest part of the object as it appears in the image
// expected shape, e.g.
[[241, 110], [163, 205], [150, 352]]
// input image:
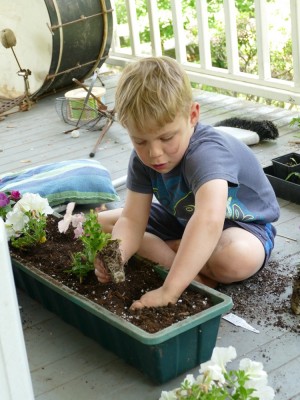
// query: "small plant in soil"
[[96, 243], [293, 174]]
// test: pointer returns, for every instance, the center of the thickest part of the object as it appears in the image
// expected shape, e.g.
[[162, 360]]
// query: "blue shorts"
[[167, 227]]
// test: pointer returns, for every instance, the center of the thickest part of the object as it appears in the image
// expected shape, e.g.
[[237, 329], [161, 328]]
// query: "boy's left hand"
[[154, 298]]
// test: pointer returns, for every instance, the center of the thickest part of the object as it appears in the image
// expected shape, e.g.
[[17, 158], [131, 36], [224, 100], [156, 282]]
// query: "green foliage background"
[[280, 56]]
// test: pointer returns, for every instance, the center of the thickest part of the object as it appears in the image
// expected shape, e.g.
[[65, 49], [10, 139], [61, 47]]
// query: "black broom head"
[[265, 129]]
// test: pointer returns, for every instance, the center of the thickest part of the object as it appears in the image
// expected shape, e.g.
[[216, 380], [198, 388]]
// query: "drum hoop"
[[82, 19]]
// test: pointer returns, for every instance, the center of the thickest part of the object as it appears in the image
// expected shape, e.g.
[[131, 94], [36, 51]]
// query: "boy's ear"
[[195, 113]]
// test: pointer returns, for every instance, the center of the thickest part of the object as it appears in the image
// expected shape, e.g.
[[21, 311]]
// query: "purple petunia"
[[4, 199], [15, 195]]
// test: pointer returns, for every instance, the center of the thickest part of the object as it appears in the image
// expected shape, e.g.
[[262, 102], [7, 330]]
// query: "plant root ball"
[[111, 257]]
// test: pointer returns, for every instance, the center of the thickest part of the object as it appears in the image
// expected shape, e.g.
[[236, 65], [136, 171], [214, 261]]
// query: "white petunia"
[[264, 393], [255, 372], [168, 395], [33, 202], [220, 357], [15, 222], [190, 379], [213, 375]]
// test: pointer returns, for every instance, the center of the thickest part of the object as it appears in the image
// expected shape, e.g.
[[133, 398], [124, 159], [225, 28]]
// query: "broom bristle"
[[265, 129]]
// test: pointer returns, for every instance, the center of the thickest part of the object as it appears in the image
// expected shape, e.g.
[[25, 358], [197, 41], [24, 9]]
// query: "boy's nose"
[[155, 150]]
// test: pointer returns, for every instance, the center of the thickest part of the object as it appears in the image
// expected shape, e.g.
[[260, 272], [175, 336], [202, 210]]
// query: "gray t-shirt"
[[211, 154]]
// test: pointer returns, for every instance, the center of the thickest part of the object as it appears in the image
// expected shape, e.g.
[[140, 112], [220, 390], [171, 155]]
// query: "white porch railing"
[[261, 83]]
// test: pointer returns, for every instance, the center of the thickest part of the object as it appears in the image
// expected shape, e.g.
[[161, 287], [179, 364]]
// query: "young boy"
[[211, 220]]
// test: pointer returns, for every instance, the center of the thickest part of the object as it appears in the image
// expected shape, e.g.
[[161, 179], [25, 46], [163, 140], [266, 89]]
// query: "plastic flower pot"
[[285, 165], [286, 190], [160, 356]]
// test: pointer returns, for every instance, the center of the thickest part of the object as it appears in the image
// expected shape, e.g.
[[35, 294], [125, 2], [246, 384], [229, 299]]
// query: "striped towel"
[[81, 181]]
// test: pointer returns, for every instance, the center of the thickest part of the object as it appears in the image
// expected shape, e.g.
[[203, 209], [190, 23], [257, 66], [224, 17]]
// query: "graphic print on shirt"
[[235, 209], [173, 194]]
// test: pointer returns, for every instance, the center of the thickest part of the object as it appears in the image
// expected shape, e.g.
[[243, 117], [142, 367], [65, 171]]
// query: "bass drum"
[[57, 40]]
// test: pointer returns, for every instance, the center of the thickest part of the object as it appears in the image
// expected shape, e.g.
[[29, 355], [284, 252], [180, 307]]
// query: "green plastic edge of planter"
[[222, 303]]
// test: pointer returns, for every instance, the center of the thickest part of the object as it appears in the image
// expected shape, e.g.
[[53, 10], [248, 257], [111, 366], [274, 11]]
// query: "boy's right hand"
[[101, 272]]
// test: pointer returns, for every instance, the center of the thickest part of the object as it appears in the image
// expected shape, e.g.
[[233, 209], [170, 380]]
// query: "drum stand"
[[102, 110], [8, 40]]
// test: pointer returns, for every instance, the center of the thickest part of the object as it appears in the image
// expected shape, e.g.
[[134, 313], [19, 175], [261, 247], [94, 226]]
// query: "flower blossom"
[[214, 378], [168, 395], [255, 372], [33, 202], [4, 199], [15, 223], [15, 195], [76, 220]]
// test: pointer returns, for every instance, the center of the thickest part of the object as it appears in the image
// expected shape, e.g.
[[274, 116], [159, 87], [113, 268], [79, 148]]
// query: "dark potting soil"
[[54, 257], [265, 298]]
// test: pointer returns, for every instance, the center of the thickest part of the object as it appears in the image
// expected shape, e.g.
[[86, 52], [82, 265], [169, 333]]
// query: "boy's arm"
[[199, 240], [131, 226]]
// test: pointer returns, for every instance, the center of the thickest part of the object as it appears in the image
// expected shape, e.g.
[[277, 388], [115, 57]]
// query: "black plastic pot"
[[286, 190], [287, 164]]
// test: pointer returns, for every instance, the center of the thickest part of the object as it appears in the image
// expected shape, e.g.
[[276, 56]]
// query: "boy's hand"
[[101, 272], [154, 298]]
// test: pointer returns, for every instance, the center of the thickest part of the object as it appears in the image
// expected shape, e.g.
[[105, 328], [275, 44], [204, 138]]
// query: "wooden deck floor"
[[65, 364]]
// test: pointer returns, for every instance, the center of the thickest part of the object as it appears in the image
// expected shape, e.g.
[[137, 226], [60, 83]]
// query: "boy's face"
[[163, 148]]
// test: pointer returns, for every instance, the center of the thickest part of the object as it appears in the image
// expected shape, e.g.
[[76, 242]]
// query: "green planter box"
[[284, 189], [160, 356]]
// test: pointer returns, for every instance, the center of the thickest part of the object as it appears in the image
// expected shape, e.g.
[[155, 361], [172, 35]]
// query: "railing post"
[[116, 40], [133, 32], [203, 34], [231, 37], [179, 34], [295, 21], [154, 27], [262, 42]]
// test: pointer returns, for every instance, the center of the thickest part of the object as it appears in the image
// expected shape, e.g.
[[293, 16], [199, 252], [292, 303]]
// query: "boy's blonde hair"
[[153, 90]]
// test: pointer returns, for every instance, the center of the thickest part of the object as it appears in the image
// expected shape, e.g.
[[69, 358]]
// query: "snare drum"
[[56, 40]]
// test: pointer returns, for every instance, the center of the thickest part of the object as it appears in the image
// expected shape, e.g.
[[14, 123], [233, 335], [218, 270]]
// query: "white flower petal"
[[15, 222], [265, 393], [254, 371], [216, 374], [33, 202], [168, 395], [223, 355]]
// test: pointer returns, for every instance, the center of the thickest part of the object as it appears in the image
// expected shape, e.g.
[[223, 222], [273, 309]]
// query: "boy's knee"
[[107, 220], [236, 261]]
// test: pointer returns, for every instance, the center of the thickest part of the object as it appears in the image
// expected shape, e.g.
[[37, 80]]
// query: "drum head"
[[33, 49]]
